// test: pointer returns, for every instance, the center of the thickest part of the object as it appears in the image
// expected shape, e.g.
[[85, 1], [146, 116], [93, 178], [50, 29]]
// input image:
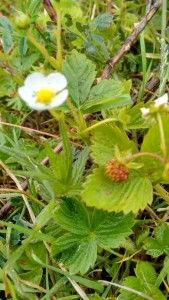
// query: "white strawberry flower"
[[159, 105], [42, 92], [162, 101]]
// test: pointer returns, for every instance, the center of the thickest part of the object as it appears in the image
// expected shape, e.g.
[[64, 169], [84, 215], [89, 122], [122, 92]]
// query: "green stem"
[[140, 154], [163, 144], [58, 35], [43, 50], [162, 192], [100, 123], [74, 114]]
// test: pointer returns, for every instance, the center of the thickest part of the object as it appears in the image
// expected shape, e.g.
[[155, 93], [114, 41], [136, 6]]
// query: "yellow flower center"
[[44, 96]]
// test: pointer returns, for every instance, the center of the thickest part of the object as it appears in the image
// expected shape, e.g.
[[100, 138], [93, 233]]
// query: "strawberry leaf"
[[87, 229], [160, 243], [132, 194]]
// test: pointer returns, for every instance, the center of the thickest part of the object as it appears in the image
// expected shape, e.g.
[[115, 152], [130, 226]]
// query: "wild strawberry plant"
[[84, 150]]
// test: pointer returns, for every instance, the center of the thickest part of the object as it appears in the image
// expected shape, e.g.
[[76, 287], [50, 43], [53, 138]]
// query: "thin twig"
[[30, 129], [127, 45], [43, 132]]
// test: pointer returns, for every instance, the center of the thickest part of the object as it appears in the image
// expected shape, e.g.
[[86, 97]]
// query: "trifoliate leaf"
[[160, 243], [132, 194], [80, 73], [87, 229]]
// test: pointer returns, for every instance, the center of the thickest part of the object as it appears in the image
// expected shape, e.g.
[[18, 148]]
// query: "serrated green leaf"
[[6, 24], [72, 216], [80, 73], [78, 248], [77, 251], [6, 85], [160, 243], [7, 41], [84, 257], [105, 139], [29, 60], [132, 194], [57, 162], [103, 21], [108, 94], [97, 38], [79, 166], [22, 46], [141, 284], [131, 282], [135, 119], [142, 236], [111, 229], [145, 273], [152, 143]]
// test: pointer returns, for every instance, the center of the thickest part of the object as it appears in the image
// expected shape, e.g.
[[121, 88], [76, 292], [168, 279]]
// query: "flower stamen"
[[44, 96]]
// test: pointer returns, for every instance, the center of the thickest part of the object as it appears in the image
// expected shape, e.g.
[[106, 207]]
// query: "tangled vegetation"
[[84, 150]]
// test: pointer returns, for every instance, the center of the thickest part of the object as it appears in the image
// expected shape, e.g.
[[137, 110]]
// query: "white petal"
[[145, 111], [26, 94], [38, 106], [59, 99], [162, 100], [30, 98], [56, 81], [35, 81]]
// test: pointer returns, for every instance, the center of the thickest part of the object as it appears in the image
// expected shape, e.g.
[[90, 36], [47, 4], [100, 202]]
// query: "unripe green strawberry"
[[116, 171], [22, 20]]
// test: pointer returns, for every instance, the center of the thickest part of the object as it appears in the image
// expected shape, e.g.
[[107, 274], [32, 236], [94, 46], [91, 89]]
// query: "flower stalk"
[[163, 144]]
